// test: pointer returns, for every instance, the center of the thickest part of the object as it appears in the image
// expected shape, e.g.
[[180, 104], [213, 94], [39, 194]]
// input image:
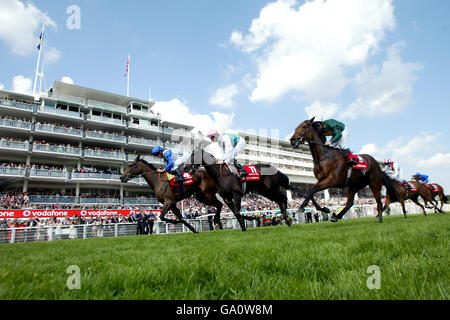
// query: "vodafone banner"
[[31, 213]]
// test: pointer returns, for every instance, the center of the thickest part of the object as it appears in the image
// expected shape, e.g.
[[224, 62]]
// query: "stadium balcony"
[[10, 104], [15, 145], [49, 174], [43, 199], [98, 200], [15, 125], [54, 112], [54, 149], [140, 201], [144, 126], [105, 121], [143, 142], [7, 171], [100, 154], [54, 129], [95, 176], [103, 136]]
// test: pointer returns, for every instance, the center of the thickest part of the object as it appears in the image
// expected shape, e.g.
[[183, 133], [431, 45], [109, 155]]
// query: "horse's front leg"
[[166, 206], [177, 212], [319, 186]]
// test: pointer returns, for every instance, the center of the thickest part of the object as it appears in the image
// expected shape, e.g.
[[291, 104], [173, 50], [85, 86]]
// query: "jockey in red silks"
[[230, 145]]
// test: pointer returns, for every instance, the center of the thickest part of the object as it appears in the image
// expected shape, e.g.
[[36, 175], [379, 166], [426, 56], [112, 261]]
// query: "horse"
[[428, 196], [405, 194], [331, 170], [203, 187], [441, 194], [230, 186]]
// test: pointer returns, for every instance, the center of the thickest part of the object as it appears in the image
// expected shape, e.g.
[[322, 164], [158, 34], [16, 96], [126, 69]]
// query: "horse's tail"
[[445, 199], [390, 187]]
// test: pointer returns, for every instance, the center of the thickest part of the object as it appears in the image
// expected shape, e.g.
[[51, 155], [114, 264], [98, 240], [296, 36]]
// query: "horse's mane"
[[148, 164], [318, 128]]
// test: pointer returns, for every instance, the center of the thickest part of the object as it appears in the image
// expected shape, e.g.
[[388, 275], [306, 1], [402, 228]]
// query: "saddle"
[[434, 188], [188, 179], [253, 174], [361, 164]]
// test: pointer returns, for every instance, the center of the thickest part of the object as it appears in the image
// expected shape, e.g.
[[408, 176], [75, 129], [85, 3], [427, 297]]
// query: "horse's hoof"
[[326, 210], [289, 221], [334, 218], [216, 227]]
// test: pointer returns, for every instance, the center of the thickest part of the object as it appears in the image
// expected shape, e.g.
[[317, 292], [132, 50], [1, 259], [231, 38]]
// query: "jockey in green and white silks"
[[230, 145], [339, 135]]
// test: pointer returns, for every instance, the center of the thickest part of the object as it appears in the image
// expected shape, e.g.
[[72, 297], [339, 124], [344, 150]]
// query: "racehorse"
[[428, 195], [203, 187], [331, 170], [405, 194], [230, 186]]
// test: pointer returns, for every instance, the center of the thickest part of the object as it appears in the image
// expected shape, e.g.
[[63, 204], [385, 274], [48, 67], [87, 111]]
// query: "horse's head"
[[304, 132], [135, 169]]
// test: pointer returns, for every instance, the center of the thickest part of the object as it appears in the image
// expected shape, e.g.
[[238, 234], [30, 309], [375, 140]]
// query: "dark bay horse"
[[230, 187], [405, 194], [331, 170], [204, 189]]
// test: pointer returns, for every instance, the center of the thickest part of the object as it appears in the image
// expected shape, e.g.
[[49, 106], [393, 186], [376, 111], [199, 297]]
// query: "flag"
[[41, 38], [128, 64]]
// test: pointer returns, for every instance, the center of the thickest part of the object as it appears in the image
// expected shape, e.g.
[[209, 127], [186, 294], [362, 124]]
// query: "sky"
[[381, 66]]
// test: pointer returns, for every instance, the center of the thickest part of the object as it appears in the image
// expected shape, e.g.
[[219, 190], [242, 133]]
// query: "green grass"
[[312, 261]]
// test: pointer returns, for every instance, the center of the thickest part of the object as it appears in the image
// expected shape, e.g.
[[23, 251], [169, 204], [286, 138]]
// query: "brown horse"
[[331, 169], [428, 196], [405, 194], [203, 188], [441, 194], [231, 188]]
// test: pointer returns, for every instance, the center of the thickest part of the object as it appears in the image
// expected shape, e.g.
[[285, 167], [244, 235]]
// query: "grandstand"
[[70, 145]]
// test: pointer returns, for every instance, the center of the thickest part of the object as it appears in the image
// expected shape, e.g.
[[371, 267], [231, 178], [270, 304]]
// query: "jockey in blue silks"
[[174, 161], [422, 177]]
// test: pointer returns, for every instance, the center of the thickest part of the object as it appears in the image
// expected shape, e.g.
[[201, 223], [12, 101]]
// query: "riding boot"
[[350, 162], [242, 172], [179, 176]]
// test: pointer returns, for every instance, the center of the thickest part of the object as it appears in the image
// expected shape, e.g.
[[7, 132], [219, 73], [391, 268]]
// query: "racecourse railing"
[[204, 223]]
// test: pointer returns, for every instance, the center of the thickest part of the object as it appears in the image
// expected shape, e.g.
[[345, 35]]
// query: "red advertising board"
[[62, 213]]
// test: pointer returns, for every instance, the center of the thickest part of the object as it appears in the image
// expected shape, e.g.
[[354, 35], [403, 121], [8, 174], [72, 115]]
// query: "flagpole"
[[41, 76], [128, 78], [38, 61]]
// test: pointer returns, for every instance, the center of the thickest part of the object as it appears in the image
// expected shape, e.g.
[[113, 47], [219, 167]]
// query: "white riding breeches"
[[181, 160]]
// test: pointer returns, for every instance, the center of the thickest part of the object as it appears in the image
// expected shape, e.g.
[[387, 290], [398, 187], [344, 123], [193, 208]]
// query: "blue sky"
[[379, 66]]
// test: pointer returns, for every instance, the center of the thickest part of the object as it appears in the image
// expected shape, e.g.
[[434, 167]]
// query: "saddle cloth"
[[361, 163], [409, 186], [187, 176], [434, 188], [253, 174]]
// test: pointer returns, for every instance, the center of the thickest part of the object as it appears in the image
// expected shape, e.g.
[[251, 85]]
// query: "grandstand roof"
[[93, 94]]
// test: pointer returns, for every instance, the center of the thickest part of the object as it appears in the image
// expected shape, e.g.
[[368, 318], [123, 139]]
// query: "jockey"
[[339, 134], [392, 169], [422, 178], [231, 145], [174, 161]]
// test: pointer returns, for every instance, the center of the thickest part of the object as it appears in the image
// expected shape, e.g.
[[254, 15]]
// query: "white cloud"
[[416, 154], [223, 97], [22, 85], [370, 148], [384, 91], [2, 86], [52, 55], [176, 111], [20, 26], [307, 49], [67, 79], [321, 111]]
